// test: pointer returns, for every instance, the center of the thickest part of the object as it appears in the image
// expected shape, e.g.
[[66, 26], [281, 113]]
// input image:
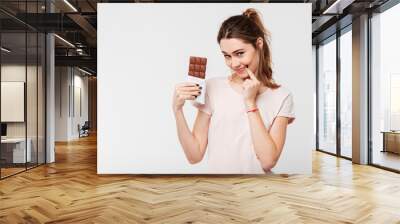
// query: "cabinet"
[[391, 141]]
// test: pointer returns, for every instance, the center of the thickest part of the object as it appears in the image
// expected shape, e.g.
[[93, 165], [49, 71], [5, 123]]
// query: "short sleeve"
[[287, 108], [206, 107]]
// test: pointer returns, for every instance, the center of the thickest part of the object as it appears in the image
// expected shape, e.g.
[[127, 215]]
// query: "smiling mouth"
[[239, 70]]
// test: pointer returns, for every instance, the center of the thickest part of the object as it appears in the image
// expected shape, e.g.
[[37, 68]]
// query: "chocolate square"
[[197, 67]]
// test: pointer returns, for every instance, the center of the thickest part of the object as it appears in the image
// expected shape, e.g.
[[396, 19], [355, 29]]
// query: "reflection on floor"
[[386, 159], [10, 169]]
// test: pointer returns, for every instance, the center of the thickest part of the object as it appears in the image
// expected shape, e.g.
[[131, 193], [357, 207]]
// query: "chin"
[[243, 76]]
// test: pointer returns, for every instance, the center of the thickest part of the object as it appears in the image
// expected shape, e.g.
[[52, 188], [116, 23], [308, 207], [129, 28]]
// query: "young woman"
[[244, 119]]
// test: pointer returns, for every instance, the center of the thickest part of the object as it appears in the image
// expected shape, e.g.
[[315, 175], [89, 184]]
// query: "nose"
[[235, 63]]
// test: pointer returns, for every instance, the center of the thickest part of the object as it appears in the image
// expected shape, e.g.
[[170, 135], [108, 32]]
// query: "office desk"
[[13, 150], [391, 141]]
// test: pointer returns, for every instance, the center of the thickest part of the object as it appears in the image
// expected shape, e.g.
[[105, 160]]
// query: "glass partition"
[[41, 87], [22, 63], [32, 96], [14, 153]]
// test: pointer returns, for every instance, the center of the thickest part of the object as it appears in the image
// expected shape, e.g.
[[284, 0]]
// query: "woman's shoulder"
[[281, 92], [215, 81]]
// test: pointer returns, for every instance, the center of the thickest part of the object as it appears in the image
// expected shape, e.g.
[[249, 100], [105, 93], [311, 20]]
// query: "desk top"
[[13, 140], [391, 132]]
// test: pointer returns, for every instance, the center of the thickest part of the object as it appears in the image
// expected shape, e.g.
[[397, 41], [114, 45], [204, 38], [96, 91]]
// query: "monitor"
[[3, 129]]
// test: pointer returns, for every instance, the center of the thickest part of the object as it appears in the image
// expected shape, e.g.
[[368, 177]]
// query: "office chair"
[[84, 130]]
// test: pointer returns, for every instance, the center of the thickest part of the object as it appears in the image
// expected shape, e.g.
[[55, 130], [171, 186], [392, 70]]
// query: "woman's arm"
[[194, 144], [268, 144]]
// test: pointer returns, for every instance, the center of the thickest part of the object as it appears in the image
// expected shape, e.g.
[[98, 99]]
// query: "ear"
[[260, 42]]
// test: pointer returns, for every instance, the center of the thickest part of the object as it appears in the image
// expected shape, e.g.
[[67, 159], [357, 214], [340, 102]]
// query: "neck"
[[236, 79]]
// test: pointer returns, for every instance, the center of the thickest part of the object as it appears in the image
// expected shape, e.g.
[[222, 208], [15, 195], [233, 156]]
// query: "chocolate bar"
[[197, 67], [197, 74]]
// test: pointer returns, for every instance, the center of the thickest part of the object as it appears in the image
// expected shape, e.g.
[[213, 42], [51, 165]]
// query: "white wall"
[[68, 81], [33, 127], [80, 84], [17, 73], [140, 62]]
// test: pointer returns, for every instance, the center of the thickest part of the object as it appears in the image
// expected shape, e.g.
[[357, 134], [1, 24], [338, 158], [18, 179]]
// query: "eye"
[[240, 53], [227, 56]]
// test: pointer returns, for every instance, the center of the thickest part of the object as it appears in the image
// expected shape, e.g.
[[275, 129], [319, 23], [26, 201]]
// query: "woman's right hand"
[[185, 91]]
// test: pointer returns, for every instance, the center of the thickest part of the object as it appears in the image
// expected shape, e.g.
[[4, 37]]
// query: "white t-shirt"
[[230, 148]]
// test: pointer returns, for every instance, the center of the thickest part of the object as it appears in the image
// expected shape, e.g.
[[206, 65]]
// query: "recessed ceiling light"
[[337, 7], [64, 40], [70, 5], [5, 50], [84, 71]]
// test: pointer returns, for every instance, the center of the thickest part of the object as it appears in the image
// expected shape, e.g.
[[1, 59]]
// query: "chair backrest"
[[86, 125]]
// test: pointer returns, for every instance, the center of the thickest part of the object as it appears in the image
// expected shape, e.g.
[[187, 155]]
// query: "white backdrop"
[[143, 51]]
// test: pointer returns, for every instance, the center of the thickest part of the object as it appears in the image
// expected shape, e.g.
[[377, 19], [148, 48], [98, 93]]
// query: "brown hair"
[[249, 27]]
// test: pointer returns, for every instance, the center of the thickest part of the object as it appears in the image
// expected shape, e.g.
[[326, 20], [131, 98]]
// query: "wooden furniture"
[[391, 141]]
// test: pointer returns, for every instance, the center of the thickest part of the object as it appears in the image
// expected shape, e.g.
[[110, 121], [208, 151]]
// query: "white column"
[[50, 92], [50, 110]]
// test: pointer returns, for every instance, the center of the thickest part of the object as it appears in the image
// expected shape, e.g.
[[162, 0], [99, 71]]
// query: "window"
[[327, 96], [385, 89], [346, 94]]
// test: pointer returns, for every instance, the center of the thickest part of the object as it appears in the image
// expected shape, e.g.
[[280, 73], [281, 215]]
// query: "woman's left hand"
[[250, 87]]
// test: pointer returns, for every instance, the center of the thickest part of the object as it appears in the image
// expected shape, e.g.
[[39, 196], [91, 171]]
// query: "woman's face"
[[239, 55]]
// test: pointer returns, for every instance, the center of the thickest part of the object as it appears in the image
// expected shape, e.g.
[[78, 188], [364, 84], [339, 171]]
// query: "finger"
[[245, 85], [251, 74], [183, 84], [196, 93], [188, 97], [190, 88], [247, 82]]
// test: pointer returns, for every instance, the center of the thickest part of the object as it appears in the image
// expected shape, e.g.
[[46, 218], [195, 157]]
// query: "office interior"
[[48, 82]]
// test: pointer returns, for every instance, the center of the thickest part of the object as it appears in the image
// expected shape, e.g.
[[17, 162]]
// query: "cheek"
[[249, 60], [254, 59], [227, 62]]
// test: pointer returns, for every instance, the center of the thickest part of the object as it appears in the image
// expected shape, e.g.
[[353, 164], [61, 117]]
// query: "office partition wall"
[[22, 87]]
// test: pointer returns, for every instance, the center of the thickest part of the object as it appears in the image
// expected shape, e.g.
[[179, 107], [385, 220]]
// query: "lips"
[[240, 70]]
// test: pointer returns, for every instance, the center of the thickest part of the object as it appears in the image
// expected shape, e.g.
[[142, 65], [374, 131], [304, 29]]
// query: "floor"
[[70, 191], [8, 171], [5, 172], [388, 159]]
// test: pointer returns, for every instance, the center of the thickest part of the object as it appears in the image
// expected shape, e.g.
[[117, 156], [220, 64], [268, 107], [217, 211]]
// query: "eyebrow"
[[234, 51]]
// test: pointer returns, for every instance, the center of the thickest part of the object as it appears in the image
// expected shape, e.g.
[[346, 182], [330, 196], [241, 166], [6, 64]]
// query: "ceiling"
[[76, 22]]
